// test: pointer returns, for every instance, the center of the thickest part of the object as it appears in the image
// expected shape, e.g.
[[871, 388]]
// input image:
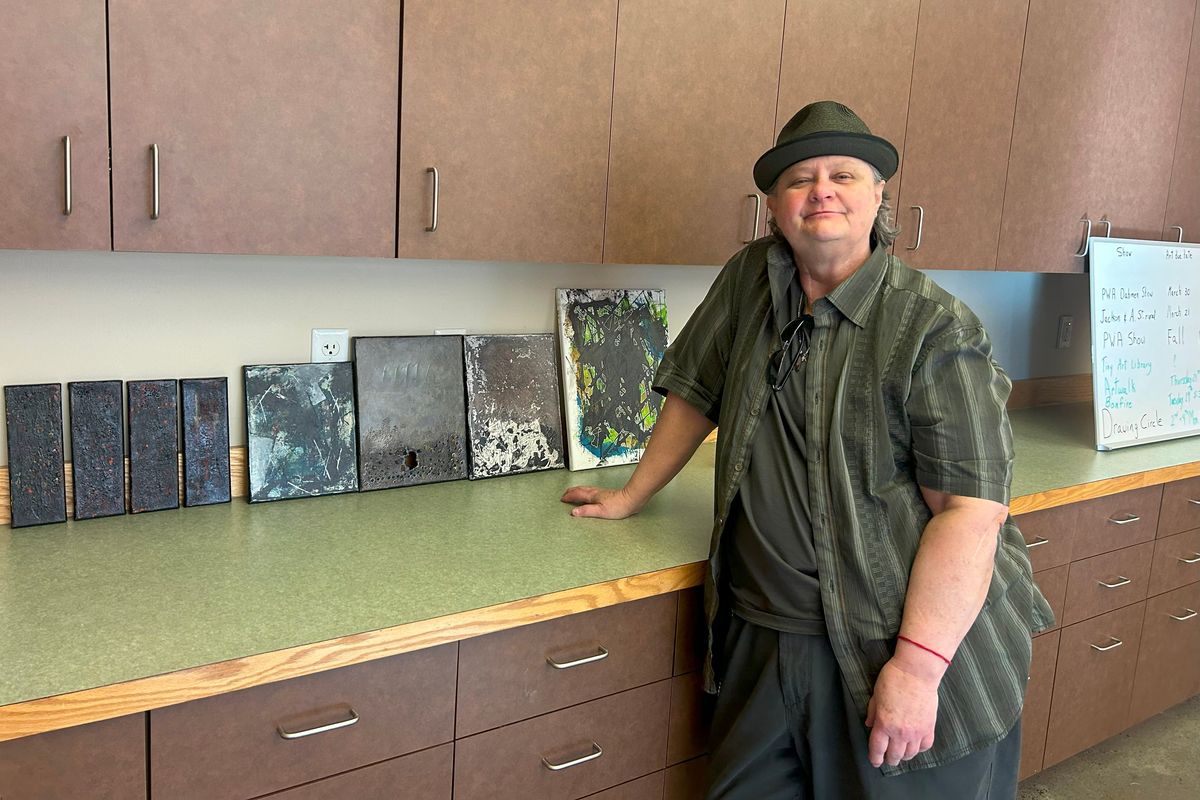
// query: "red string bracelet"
[[903, 638]]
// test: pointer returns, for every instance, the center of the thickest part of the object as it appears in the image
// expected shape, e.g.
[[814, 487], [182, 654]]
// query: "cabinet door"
[[53, 84], [964, 93], [1094, 135], [275, 124], [860, 54], [102, 760], [1105, 582], [1037, 703], [1183, 203], [1093, 681], [511, 103], [1180, 507], [1049, 535], [1176, 562], [1166, 669], [1119, 520], [693, 106], [427, 775]]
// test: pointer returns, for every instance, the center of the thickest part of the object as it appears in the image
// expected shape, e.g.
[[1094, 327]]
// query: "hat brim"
[[877, 152]]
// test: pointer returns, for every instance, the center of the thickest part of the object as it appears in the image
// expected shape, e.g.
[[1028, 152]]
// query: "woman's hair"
[[883, 232]]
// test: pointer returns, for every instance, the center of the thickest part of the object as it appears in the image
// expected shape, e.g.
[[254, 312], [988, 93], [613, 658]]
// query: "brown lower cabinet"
[[1036, 715], [1093, 681], [103, 761], [427, 775], [1168, 666], [568, 754], [686, 781], [647, 788]]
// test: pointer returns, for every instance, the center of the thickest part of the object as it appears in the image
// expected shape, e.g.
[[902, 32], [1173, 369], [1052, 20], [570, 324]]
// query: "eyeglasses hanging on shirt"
[[795, 337]]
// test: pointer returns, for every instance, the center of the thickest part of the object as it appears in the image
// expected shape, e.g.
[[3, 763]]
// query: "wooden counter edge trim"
[[145, 694], [1050, 498]]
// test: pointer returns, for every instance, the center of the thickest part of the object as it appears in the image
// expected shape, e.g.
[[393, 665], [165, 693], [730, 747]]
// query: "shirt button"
[[817, 457], [754, 411], [737, 467]]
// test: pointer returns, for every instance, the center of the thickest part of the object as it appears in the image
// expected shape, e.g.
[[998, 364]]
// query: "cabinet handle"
[[1194, 502], [1180, 229], [1120, 581], [153, 181], [333, 726], [1115, 644], [1037, 542], [1087, 238], [920, 225], [600, 655], [67, 176], [437, 195], [1195, 559], [1126, 521], [757, 213], [1107, 227], [592, 756], [1188, 614]]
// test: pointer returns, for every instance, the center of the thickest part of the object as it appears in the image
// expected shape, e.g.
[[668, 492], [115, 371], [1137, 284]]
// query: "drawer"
[[231, 746], [687, 781], [508, 676], [1180, 507], [1049, 535], [1053, 585], [101, 760], [427, 775], [627, 730], [1103, 583], [1176, 562], [691, 715], [1167, 671], [1092, 682], [1036, 715], [691, 635], [647, 788], [1119, 520]]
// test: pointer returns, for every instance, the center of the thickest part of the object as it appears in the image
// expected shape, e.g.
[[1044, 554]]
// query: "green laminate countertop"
[[89, 604]]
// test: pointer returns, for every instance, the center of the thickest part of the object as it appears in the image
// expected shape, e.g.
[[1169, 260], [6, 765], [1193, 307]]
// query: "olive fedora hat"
[[824, 128]]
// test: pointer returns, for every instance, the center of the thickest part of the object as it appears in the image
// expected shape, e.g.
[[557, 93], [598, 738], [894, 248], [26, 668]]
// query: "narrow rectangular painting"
[[37, 486], [97, 448], [153, 445], [513, 411], [205, 441], [300, 430], [411, 409], [611, 342]]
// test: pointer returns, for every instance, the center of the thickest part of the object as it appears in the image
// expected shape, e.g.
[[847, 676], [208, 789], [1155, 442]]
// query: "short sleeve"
[[961, 438], [695, 364]]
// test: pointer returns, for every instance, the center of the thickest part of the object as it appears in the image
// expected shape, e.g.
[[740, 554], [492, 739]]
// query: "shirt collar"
[[852, 296]]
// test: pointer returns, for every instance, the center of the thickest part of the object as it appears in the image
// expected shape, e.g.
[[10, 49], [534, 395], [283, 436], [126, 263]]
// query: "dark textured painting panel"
[[411, 410], [612, 342], [33, 414], [300, 430], [97, 448], [153, 445], [205, 441], [513, 411]]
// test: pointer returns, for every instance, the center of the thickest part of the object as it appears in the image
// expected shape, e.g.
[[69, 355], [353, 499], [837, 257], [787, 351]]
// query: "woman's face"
[[828, 199]]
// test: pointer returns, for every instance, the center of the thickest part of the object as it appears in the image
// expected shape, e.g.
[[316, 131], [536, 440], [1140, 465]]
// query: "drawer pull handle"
[[1189, 614], [1037, 542], [437, 196], [1119, 582], [592, 756], [66, 176], [333, 726], [1194, 502], [154, 192], [757, 215], [600, 655], [1114, 643], [1126, 521], [1195, 559]]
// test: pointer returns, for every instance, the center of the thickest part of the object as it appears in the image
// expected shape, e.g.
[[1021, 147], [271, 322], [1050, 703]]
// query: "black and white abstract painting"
[[513, 412]]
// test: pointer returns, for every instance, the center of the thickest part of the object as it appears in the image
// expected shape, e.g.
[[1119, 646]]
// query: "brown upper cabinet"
[[505, 123], [860, 54], [54, 126], [264, 127], [1094, 135], [1183, 203], [960, 116], [693, 107]]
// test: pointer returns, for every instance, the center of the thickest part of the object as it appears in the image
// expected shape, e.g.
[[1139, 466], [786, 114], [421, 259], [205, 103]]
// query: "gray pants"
[[784, 729]]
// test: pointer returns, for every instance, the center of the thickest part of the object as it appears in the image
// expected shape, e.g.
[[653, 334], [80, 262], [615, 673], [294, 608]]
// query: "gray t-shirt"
[[771, 557]]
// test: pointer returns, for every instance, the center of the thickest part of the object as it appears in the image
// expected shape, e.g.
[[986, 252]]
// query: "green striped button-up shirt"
[[902, 393]]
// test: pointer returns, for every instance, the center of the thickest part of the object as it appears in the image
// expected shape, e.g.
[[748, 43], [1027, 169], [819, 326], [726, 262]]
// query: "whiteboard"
[[1145, 341]]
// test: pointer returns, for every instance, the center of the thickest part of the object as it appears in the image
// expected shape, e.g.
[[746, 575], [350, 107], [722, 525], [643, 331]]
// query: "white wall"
[[90, 316]]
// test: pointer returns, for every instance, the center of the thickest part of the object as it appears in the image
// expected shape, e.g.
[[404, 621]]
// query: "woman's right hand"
[[593, 501]]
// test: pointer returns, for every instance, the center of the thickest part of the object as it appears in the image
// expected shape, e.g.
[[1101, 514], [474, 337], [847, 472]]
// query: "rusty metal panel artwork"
[[97, 448], [33, 415], [153, 445], [205, 411]]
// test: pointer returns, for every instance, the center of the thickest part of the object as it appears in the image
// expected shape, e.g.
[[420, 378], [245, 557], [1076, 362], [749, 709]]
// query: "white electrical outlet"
[[1065, 325], [330, 344]]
